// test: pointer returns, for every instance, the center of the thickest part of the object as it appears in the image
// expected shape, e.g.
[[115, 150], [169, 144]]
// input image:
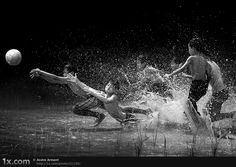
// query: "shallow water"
[[58, 132]]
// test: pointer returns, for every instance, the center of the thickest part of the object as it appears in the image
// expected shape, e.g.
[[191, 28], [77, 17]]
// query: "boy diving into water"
[[111, 101], [82, 107]]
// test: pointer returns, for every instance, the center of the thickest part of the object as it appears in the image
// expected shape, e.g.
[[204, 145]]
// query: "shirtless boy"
[[87, 103], [198, 67], [220, 93], [111, 101]]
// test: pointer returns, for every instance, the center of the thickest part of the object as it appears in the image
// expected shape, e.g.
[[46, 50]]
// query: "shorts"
[[198, 89], [84, 107], [91, 102], [215, 104]]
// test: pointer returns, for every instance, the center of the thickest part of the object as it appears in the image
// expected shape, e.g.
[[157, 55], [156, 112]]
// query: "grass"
[[142, 137], [165, 150], [214, 146], [140, 141], [193, 145], [154, 137], [215, 143], [89, 142], [117, 145]]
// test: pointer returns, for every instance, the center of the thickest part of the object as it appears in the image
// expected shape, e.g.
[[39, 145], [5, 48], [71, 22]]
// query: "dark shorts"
[[198, 89], [91, 102], [215, 104], [221, 96], [84, 107]]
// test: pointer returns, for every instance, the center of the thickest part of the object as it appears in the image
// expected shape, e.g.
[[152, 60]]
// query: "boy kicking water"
[[82, 107], [111, 101]]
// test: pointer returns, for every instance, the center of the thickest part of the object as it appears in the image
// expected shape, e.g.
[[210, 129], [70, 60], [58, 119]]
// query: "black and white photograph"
[[116, 79]]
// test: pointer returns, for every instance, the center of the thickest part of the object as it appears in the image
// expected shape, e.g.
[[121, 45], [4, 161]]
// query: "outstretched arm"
[[52, 78], [182, 68], [99, 94]]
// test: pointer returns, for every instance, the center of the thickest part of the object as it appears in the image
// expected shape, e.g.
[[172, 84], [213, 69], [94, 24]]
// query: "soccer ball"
[[13, 57]]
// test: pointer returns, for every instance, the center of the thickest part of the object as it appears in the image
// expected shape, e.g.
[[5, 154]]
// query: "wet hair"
[[69, 68], [199, 45]]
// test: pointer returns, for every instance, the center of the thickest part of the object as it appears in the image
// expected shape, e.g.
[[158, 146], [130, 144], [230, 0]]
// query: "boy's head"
[[112, 87], [68, 68], [195, 45]]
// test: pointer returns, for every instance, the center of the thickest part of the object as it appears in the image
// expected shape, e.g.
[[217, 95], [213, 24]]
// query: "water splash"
[[99, 66], [171, 110]]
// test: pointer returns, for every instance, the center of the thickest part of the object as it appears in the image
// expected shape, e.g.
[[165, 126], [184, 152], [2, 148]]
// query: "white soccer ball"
[[13, 57]]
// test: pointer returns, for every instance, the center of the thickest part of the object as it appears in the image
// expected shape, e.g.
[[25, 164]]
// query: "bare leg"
[[194, 103], [136, 110]]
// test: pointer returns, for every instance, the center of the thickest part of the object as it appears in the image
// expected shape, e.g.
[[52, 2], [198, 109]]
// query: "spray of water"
[[171, 110], [98, 67]]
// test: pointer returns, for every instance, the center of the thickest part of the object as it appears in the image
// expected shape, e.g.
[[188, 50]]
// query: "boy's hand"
[[34, 73], [73, 78]]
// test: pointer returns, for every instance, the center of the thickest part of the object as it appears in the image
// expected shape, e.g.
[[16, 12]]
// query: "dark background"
[[50, 34]]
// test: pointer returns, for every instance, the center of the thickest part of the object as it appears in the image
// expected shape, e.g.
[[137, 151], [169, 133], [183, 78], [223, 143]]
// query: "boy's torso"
[[197, 68], [216, 81], [115, 110]]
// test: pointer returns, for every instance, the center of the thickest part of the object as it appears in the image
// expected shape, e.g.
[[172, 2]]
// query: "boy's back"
[[216, 81], [198, 67]]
